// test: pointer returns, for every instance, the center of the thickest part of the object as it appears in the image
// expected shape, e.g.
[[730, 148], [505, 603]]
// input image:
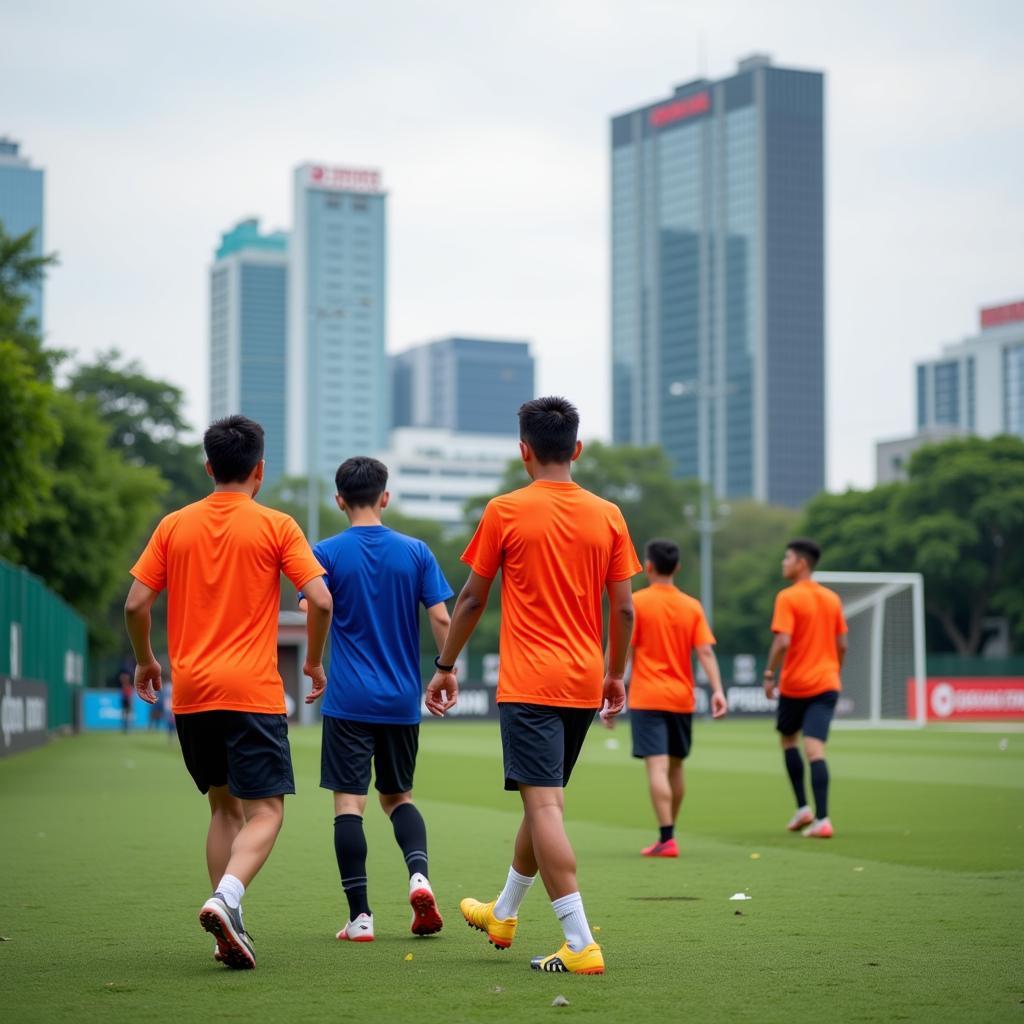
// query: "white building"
[[432, 472]]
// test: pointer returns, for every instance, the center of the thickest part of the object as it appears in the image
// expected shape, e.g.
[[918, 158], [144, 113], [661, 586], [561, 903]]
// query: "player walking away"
[[220, 560], [670, 627], [810, 644], [378, 579], [559, 548], [124, 680]]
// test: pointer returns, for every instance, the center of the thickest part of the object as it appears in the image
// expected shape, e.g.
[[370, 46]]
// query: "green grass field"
[[914, 911]]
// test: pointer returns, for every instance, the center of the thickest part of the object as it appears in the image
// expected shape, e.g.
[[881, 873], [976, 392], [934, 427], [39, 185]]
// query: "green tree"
[[958, 520], [146, 421], [30, 434]]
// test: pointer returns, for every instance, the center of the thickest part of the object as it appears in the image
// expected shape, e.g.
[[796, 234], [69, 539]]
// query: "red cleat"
[[426, 918], [660, 849], [820, 828]]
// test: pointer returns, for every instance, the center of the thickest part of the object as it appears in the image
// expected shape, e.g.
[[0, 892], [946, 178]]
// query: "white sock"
[[232, 890], [418, 881], [516, 888], [570, 914]]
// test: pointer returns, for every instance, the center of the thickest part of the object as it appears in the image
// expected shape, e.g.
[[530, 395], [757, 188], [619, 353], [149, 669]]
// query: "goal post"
[[884, 670]]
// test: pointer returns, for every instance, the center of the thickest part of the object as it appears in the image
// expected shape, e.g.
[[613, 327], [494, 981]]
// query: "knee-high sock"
[[795, 767], [819, 783], [411, 836], [350, 849]]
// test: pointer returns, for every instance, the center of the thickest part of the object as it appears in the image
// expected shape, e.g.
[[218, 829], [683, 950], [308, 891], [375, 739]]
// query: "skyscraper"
[[717, 232], [248, 324], [466, 385], [21, 208], [338, 382]]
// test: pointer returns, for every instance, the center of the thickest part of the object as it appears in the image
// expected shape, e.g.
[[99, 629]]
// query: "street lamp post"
[[704, 522]]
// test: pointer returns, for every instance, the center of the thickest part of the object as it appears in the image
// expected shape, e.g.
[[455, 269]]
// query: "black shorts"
[[540, 744], [661, 732], [810, 715], [247, 752], [348, 748]]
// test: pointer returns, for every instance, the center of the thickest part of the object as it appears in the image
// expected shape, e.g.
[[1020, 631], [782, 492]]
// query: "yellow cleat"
[[588, 960], [481, 916]]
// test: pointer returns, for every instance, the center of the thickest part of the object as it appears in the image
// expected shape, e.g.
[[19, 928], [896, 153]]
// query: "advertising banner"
[[101, 709], [23, 715], [967, 699]]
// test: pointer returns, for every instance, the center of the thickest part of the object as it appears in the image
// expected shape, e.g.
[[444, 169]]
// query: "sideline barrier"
[[100, 710], [23, 715], [951, 699]]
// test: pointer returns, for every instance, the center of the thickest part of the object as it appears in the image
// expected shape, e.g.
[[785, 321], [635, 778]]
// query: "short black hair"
[[233, 446], [549, 426], [806, 549], [663, 555], [361, 481]]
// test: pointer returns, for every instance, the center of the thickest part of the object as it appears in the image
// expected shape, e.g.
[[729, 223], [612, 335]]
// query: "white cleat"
[[801, 819], [359, 930], [820, 828]]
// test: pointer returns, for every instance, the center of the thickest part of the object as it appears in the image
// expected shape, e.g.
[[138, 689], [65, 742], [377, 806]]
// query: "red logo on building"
[[996, 316], [680, 110], [344, 179]]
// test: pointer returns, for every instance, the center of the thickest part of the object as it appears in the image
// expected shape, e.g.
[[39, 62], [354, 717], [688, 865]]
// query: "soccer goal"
[[885, 662]]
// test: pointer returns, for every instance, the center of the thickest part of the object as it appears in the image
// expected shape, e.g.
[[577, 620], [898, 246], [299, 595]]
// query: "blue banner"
[[101, 709]]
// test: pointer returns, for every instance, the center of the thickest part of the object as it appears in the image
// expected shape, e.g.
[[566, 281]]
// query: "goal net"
[[885, 662]]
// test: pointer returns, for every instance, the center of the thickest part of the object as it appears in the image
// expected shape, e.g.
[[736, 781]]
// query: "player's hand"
[[148, 681], [614, 696], [318, 679], [719, 705], [442, 693], [608, 723], [771, 691]]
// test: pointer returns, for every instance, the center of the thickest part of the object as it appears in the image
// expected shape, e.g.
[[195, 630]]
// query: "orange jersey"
[[668, 626], [221, 560], [556, 546], [812, 615]]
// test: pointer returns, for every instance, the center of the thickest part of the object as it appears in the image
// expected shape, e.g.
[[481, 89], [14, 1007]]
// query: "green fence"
[[957, 666], [41, 638]]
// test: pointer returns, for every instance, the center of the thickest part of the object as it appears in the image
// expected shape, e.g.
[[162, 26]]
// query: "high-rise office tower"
[[718, 327], [466, 385], [338, 381], [248, 330], [21, 208]]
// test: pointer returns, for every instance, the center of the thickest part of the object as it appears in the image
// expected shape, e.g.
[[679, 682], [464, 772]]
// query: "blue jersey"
[[378, 579]]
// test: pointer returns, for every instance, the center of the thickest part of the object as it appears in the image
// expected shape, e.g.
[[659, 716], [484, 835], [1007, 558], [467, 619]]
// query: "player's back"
[[813, 617], [668, 626], [557, 545], [378, 579], [223, 559]]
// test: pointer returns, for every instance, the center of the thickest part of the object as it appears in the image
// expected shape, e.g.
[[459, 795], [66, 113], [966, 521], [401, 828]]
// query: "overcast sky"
[[161, 124]]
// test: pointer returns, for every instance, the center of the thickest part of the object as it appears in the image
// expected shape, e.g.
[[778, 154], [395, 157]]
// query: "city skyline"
[[923, 207]]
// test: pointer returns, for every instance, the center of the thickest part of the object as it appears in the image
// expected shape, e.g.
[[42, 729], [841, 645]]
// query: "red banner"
[[961, 699]]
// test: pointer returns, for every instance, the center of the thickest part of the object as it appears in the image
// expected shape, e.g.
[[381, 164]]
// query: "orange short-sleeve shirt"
[[668, 626], [812, 615], [557, 546], [220, 560]]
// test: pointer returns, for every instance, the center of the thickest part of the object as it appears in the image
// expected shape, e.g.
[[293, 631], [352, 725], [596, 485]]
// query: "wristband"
[[440, 667]]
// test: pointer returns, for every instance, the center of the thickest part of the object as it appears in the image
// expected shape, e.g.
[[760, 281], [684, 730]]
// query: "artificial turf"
[[913, 912]]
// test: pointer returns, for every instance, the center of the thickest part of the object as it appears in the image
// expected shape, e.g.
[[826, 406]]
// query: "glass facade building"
[[717, 267], [21, 208], [339, 390], [248, 331], [466, 385]]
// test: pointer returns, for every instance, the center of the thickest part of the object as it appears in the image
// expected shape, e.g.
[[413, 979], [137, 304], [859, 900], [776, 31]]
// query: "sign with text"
[[23, 715], [343, 179], [964, 699], [102, 709], [680, 110], [996, 316]]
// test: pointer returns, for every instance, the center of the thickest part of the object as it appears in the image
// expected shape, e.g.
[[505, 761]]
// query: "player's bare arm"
[[780, 644], [842, 644], [443, 690], [319, 607], [708, 661], [138, 621], [440, 621], [620, 632]]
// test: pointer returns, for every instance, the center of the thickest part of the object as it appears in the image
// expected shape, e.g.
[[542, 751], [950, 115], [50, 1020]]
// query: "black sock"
[[795, 767], [819, 783], [667, 832], [411, 836], [350, 849]]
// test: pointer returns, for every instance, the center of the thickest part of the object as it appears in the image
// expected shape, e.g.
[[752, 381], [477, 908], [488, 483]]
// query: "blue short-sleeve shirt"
[[378, 579]]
